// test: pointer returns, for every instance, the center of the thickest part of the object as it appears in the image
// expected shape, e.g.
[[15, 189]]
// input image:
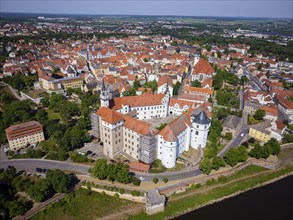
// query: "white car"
[[141, 178], [242, 135]]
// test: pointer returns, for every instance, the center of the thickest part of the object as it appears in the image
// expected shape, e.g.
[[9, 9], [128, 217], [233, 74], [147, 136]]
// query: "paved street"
[[241, 135], [30, 165]]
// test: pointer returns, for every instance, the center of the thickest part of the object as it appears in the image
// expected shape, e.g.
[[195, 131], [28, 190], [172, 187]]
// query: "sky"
[[227, 8]]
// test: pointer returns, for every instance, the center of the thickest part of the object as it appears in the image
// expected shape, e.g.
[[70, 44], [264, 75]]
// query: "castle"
[[121, 124]]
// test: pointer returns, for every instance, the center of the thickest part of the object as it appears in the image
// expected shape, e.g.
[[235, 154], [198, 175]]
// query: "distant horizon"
[[279, 9], [144, 15]]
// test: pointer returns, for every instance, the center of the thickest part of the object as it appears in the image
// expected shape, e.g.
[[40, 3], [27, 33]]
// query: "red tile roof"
[[24, 129], [203, 66]]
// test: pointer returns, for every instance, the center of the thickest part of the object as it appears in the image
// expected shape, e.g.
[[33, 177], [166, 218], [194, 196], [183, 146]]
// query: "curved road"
[[30, 165]]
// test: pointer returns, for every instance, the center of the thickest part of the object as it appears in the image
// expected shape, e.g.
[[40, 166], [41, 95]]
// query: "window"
[[196, 132]]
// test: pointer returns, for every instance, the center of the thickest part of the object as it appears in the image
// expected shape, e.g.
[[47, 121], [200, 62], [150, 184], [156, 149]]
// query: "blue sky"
[[228, 8]]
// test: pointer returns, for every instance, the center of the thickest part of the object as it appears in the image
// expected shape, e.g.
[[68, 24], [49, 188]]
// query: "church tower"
[[196, 59], [104, 96], [166, 100]]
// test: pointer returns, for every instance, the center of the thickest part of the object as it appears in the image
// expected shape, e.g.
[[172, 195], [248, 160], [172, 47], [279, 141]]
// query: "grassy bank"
[[188, 203], [83, 204]]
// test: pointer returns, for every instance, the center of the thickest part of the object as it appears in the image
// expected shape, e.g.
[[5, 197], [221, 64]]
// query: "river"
[[273, 201]]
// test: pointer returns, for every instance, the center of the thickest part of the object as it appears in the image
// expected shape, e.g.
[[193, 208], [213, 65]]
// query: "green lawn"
[[53, 115], [82, 204], [178, 167], [157, 167], [252, 120], [36, 93], [176, 207]]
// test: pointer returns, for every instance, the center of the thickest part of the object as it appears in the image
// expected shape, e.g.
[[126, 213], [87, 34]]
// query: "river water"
[[273, 201]]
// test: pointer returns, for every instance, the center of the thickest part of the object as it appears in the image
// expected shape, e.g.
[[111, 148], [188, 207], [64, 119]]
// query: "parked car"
[[89, 152]]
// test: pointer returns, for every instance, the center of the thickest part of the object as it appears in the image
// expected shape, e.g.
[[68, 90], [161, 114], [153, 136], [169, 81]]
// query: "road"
[[238, 138], [31, 164]]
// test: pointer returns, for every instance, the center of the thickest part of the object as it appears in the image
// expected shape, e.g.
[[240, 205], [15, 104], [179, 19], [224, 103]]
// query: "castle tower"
[[200, 125], [104, 96]]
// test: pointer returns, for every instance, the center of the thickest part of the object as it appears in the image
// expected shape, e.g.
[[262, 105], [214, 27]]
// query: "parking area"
[[93, 148]]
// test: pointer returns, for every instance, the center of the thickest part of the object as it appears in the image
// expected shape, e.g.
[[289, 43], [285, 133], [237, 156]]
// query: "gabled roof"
[[137, 101], [203, 66], [165, 79], [231, 121], [138, 126], [109, 115], [172, 130]]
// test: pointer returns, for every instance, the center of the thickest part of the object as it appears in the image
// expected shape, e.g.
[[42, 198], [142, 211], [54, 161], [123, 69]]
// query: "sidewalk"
[[144, 185]]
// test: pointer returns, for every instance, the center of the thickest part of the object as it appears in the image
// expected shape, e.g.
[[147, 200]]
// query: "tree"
[[151, 84], [205, 166], [242, 153], [136, 181], [256, 152], [39, 190], [259, 114], [176, 88], [165, 179], [274, 146], [218, 162], [288, 138], [16, 207], [228, 136], [100, 169], [235, 155], [251, 140], [174, 43], [136, 84], [231, 157], [59, 180], [155, 180], [195, 83]]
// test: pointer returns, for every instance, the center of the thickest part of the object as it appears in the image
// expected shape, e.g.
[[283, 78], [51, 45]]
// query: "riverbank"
[[272, 201], [217, 193]]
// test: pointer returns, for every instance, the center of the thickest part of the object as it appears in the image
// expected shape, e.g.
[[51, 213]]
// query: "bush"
[[236, 155], [121, 191], [10, 153], [218, 162], [251, 140], [135, 193], [205, 166], [228, 136], [195, 186], [75, 157], [155, 180], [245, 144], [116, 195], [165, 179], [136, 181]]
